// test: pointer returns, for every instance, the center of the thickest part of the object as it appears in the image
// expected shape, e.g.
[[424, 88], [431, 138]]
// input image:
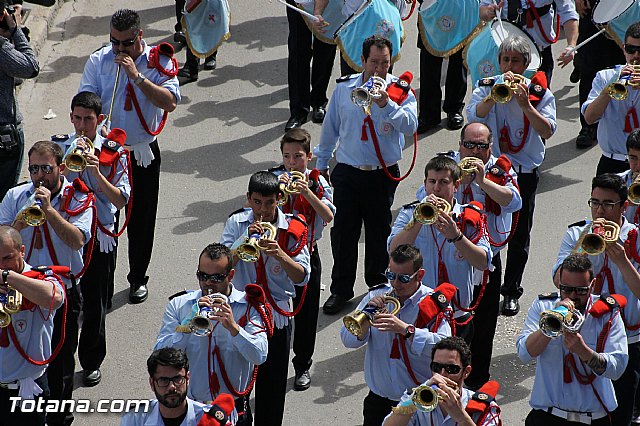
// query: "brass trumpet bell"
[[357, 323], [31, 212], [502, 93], [425, 397], [467, 166], [364, 95], [595, 242], [249, 251], [553, 323], [290, 188], [634, 190], [428, 212], [201, 325], [618, 90], [75, 160], [5, 318]]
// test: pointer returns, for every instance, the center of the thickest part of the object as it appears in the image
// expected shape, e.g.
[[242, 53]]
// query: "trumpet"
[[201, 324], [502, 93], [364, 95], [634, 190], [618, 89], [594, 239], [358, 322], [10, 303], [560, 320], [75, 158], [425, 397], [31, 212], [249, 251], [467, 166], [113, 97], [427, 212], [290, 188]]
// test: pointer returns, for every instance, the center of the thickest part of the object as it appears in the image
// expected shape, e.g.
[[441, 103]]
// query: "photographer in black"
[[17, 60]]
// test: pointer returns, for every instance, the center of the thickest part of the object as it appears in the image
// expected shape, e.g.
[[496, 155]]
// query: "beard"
[[169, 400]]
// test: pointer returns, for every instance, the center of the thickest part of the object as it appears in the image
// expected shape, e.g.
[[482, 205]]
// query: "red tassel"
[[395, 348], [529, 19], [566, 370], [467, 194], [4, 337], [443, 275], [363, 136], [214, 383], [631, 115], [127, 100], [38, 234]]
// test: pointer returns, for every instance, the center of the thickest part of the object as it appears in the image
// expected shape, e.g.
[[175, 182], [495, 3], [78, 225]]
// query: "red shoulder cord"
[[495, 208], [129, 202], [474, 305], [413, 6], [58, 348], [376, 146], [131, 94], [547, 38], [505, 138], [495, 417]]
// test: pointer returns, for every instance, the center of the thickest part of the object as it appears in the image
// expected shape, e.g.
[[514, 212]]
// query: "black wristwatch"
[[409, 331], [5, 277]]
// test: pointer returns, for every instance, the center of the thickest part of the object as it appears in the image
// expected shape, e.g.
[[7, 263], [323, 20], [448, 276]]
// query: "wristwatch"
[[5, 277], [409, 331], [139, 79]]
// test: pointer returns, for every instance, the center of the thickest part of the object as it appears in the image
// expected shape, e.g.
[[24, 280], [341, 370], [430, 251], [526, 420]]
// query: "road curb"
[[39, 20]]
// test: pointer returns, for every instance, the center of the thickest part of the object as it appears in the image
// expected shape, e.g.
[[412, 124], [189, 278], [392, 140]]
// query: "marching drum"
[[616, 16], [332, 14], [378, 17], [206, 25], [446, 26], [481, 55]]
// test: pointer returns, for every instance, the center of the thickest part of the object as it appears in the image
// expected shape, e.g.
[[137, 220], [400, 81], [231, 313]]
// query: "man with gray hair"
[[521, 121]]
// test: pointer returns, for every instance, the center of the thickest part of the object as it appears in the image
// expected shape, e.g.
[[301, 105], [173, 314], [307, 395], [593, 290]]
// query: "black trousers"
[[304, 49], [92, 347], [141, 228], [547, 63], [518, 249], [17, 417], [485, 320], [360, 196], [306, 322], [539, 417], [61, 370], [609, 165], [179, 9], [430, 91], [271, 383], [376, 408], [245, 418], [10, 166], [626, 387]]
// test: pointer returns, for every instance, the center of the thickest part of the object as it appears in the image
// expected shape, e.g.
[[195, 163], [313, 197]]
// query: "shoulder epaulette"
[[607, 303], [580, 223], [180, 293], [488, 82], [21, 183], [111, 145], [60, 137], [377, 287], [451, 154], [483, 397], [537, 90], [548, 296], [346, 78], [240, 210], [41, 269], [411, 204], [101, 47], [277, 168]]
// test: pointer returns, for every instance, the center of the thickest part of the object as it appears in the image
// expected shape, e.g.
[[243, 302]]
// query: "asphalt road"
[[228, 126]]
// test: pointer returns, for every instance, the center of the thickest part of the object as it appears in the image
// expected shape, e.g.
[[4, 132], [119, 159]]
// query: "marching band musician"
[[574, 371], [280, 267], [632, 213], [59, 240], [200, 32], [615, 118], [521, 125], [399, 346], [616, 274], [106, 175], [541, 20], [314, 202], [458, 406], [363, 191], [222, 361], [31, 330], [454, 246], [146, 90]]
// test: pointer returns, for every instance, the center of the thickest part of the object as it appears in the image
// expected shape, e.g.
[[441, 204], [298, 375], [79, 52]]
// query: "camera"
[[10, 10]]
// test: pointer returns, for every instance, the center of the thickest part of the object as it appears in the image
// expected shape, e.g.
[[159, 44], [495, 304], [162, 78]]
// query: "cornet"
[[201, 324], [467, 166], [249, 251], [618, 89], [290, 188], [75, 158], [358, 322], [31, 212], [634, 190], [594, 238], [502, 93], [556, 321], [10, 303], [427, 212], [364, 95], [425, 397]]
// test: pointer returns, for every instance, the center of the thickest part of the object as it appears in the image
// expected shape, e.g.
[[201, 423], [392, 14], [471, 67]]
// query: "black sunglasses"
[[35, 168], [125, 43], [631, 49], [580, 291], [403, 278], [436, 367], [471, 145], [216, 278]]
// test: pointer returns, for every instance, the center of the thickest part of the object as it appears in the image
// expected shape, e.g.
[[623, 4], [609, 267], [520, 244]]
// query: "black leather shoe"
[[424, 126], [187, 74], [586, 138], [302, 382], [455, 121], [295, 122], [179, 37], [575, 76], [210, 63], [91, 377], [510, 306], [138, 294], [317, 116], [334, 304]]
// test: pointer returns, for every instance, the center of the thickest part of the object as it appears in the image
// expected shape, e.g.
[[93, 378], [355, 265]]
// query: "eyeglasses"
[[125, 43], [216, 278], [472, 145], [580, 291], [403, 278], [631, 49], [436, 367], [606, 205], [163, 382], [35, 168]]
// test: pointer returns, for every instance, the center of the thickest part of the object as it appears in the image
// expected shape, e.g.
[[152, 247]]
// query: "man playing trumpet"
[[574, 371], [454, 246], [616, 273], [235, 348], [399, 346], [455, 404], [616, 118]]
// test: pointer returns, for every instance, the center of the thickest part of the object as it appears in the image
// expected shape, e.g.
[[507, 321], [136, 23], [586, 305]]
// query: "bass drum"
[[481, 55], [616, 16], [446, 26]]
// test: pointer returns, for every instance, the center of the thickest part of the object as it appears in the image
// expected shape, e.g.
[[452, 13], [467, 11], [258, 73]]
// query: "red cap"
[[218, 414]]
